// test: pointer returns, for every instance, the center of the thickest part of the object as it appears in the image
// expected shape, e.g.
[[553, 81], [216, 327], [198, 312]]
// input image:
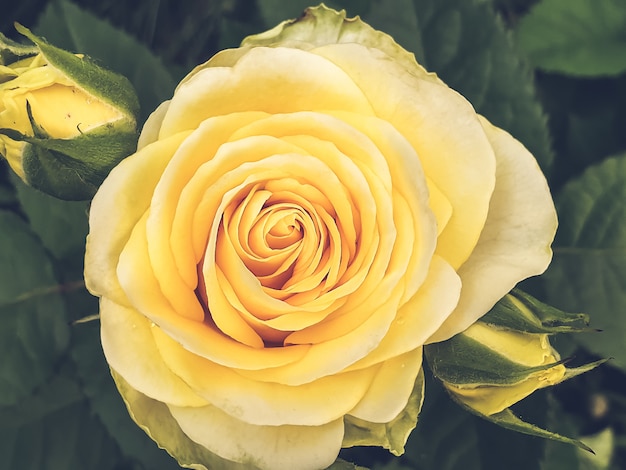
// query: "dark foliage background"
[[566, 101]]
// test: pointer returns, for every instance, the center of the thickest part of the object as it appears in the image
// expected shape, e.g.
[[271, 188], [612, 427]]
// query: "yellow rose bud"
[[60, 128], [524, 363]]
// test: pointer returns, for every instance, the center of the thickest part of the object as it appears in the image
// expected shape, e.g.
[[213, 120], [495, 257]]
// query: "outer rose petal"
[[131, 351], [444, 130], [115, 210], [151, 128], [264, 403], [391, 388], [306, 82], [515, 242], [266, 447]]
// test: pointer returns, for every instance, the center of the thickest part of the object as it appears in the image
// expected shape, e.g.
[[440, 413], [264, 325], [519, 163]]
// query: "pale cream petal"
[[306, 82], [265, 447], [515, 243], [131, 351], [443, 129], [391, 388], [152, 126]]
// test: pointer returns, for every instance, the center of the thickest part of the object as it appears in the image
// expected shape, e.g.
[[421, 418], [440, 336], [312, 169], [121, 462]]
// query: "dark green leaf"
[[576, 37], [33, 323], [589, 267], [466, 45], [54, 430], [61, 225]]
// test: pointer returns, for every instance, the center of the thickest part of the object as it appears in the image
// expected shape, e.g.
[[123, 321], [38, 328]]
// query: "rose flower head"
[[64, 121], [303, 216]]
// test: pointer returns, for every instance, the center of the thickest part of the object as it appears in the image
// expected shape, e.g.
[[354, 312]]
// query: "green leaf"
[[33, 324], [603, 444], [54, 430], [557, 456], [61, 225], [392, 435], [576, 37], [66, 25], [466, 45], [589, 267]]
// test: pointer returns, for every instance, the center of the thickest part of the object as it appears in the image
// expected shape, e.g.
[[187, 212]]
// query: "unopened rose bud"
[[488, 369], [65, 122], [507, 355]]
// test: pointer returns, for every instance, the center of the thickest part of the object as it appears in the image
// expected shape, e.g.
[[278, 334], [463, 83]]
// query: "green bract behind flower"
[[64, 121]]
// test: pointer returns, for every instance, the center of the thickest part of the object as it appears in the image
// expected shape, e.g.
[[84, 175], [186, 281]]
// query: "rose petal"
[[266, 447], [422, 315], [131, 351], [144, 293], [515, 242], [152, 126], [265, 403], [443, 129], [115, 211], [305, 81], [391, 388]]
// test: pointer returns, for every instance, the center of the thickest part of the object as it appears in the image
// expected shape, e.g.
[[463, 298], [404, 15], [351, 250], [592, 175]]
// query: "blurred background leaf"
[[576, 37], [58, 405]]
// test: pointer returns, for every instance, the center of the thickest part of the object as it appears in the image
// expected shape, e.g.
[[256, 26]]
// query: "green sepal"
[[575, 371], [521, 312], [508, 420], [392, 435], [462, 360], [73, 169], [107, 86], [157, 422], [341, 464], [10, 50]]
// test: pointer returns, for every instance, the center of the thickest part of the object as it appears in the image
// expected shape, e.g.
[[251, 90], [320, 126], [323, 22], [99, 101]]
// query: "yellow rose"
[[64, 121], [303, 215]]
